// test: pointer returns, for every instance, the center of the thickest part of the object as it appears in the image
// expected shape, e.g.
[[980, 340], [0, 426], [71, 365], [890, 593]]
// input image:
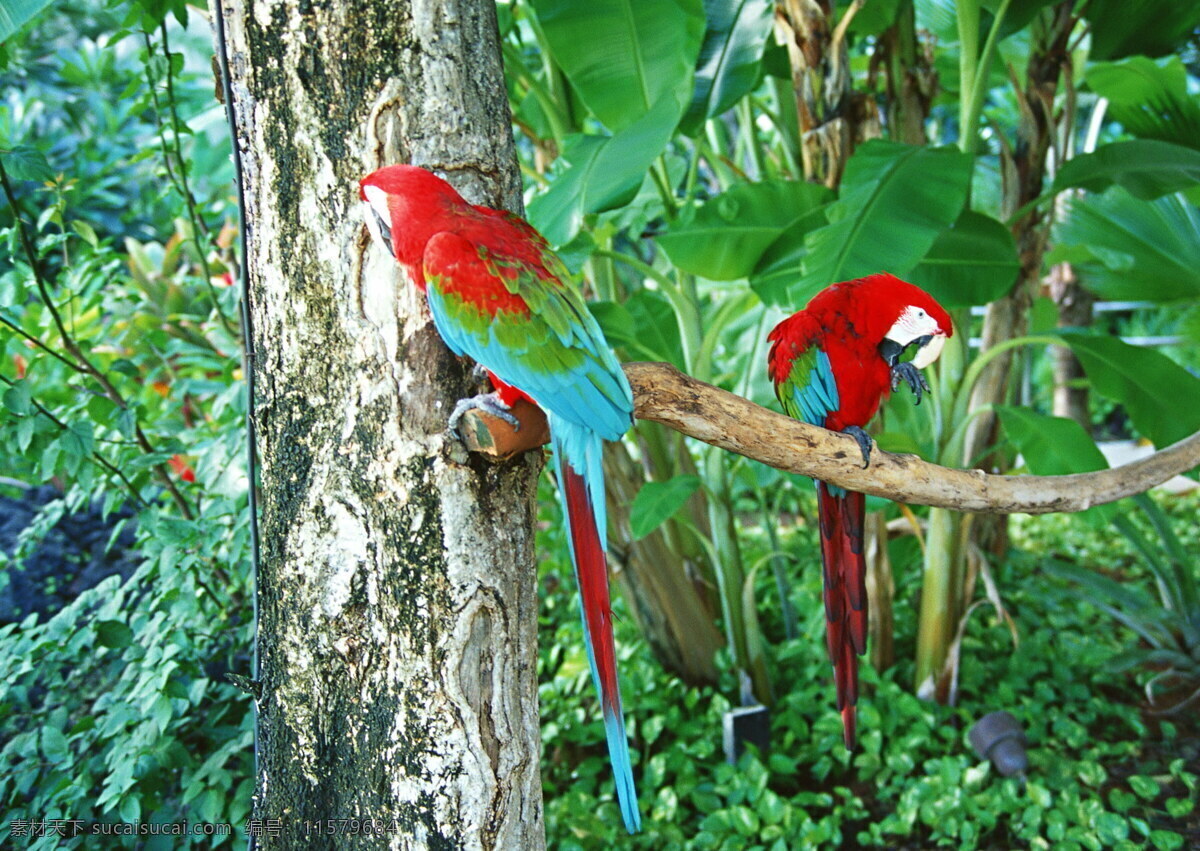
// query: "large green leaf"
[[1055, 446], [895, 201], [23, 162], [625, 57], [1149, 27], [730, 57], [1149, 99], [1161, 397], [973, 262], [645, 326], [728, 234], [657, 501], [603, 172], [1147, 168], [875, 17], [14, 14], [1131, 249]]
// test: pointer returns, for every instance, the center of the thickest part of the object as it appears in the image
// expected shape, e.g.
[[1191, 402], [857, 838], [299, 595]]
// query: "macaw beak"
[[929, 348], [929, 351]]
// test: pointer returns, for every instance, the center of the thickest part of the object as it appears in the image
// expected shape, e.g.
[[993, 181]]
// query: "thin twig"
[[100, 459], [76, 352], [41, 345], [178, 175]]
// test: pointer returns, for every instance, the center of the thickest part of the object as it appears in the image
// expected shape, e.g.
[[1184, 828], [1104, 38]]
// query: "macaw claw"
[[489, 403], [864, 442], [910, 375]]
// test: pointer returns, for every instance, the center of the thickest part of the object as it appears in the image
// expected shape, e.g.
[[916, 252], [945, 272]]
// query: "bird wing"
[[808, 391], [519, 315]]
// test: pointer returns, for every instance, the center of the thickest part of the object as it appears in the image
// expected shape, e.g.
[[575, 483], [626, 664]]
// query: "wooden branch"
[[663, 394], [482, 432]]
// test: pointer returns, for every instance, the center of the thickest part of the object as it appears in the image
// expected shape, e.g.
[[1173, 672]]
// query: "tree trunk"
[[396, 588], [1074, 311]]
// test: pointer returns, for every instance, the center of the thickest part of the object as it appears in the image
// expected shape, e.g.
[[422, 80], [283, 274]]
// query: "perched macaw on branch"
[[500, 295], [832, 364]]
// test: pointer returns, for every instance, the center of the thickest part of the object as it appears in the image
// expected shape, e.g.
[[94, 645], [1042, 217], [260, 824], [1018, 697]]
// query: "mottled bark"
[[396, 593]]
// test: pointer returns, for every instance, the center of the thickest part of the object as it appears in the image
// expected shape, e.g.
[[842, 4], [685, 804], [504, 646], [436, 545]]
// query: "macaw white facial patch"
[[378, 217]]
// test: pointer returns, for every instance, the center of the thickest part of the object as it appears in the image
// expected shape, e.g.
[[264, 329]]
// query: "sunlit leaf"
[[1161, 397], [728, 234], [1149, 99], [1130, 249], [895, 201], [625, 57], [14, 14], [728, 67], [604, 172]]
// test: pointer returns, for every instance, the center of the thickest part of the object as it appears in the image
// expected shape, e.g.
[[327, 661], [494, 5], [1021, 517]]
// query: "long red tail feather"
[[845, 579], [591, 571]]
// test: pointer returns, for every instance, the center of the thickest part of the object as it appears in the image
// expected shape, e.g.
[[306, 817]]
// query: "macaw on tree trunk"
[[832, 364], [500, 295]]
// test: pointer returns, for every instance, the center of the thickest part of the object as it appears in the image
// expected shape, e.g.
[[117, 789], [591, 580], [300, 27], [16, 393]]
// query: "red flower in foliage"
[[182, 468], [21, 365]]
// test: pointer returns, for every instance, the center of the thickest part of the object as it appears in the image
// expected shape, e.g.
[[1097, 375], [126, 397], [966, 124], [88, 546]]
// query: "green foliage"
[[645, 58], [1127, 248], [1146, 168], [913, 781], [16, 13], [729, 234], [121, 381], [1150, 27], [1162, 398], [656, 501], [895, 201], [973, 262], [601, 173], [729, 64], [1149, 99]]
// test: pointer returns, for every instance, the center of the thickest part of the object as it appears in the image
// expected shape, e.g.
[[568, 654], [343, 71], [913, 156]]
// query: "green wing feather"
[[525, 321]]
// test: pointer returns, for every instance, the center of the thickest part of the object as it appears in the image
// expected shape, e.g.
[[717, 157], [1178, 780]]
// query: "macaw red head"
[[918, 320], [893, 315], [404, 206]]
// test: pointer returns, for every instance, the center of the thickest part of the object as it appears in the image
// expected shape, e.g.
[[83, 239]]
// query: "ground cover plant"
[[697, 219]]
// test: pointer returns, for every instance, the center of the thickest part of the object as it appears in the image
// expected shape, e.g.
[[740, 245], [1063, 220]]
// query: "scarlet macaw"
[[500, 295], [832, 364]]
